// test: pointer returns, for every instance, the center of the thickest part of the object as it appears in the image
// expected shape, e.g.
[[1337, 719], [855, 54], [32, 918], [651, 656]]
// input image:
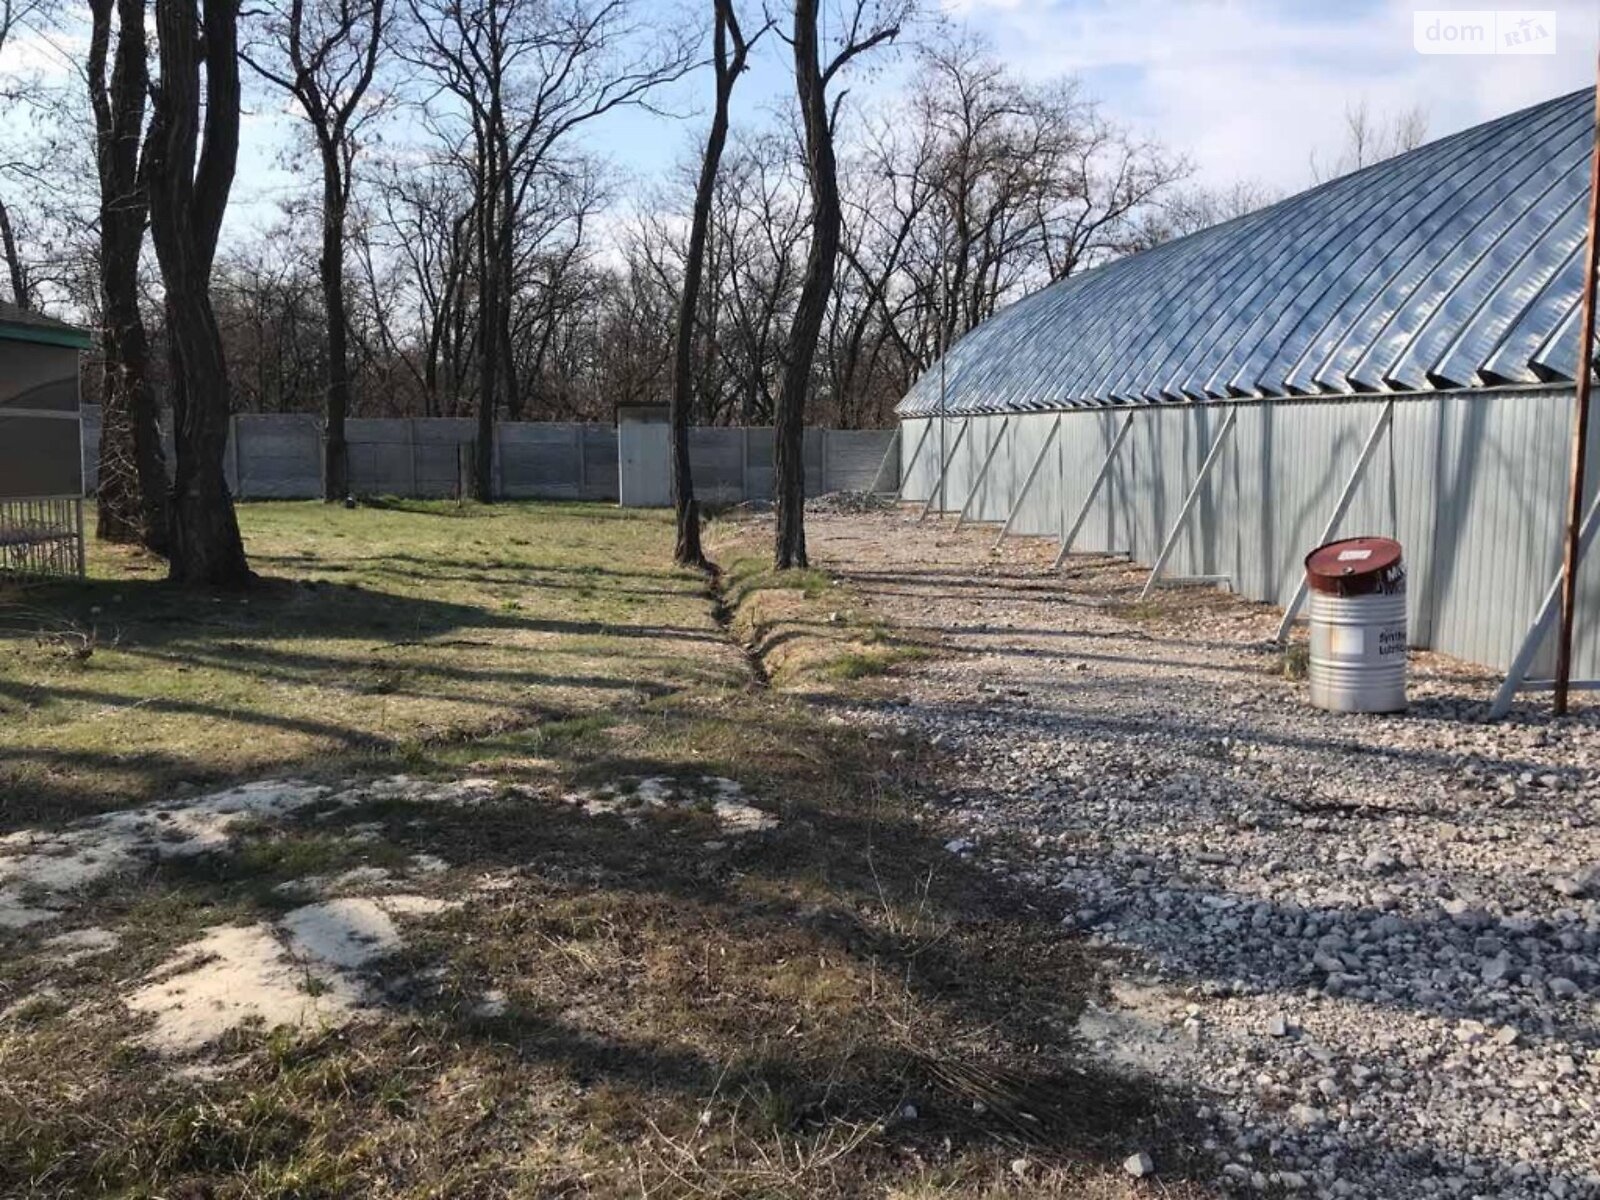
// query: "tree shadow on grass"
[[802, 987], [278, 664]]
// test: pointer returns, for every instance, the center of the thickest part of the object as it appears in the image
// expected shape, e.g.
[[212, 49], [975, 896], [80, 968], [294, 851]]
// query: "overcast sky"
[[1246, 89]]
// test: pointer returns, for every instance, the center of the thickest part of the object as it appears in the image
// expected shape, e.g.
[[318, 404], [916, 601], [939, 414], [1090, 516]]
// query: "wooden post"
[[1517, 673], [1580, 432]]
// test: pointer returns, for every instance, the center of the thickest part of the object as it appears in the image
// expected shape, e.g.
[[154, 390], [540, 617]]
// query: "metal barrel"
[[1358, 626]]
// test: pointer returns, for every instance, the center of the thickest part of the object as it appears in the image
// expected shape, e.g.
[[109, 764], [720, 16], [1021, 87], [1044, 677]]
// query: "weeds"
[[1295, 661]]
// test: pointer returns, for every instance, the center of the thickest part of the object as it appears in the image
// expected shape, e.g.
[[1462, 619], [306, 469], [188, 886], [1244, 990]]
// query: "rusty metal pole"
[[1580, 428]]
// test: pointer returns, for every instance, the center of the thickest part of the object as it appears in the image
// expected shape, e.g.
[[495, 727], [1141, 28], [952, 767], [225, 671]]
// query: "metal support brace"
[[1069, 535], [944, 469], [894, 448], [1517, 675], [1033, 471], [916, 453], [988, 458], [1339, 509], [1188, 504]]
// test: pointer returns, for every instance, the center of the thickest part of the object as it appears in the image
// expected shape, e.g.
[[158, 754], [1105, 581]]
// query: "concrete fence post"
[[578, 431], [497, 462], [233, 437], [411, 456]]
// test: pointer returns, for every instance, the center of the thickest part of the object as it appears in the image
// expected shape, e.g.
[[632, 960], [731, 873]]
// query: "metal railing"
[[42, 537]]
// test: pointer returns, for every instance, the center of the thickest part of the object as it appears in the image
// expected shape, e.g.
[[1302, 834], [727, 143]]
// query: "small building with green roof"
[[41, 464]]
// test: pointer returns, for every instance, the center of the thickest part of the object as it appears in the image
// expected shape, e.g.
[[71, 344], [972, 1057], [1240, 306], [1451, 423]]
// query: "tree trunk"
[[14, 269], [487, 184], [335, 450], [131, 496], [188, 197], [488, 360], [788, 461], [688, 552]]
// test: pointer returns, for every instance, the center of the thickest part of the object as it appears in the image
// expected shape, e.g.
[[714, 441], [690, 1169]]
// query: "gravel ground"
[[1372, 944]]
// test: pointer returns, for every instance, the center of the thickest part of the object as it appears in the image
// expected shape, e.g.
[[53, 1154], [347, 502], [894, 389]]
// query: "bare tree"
[[190, 172], [1372, 137], [16, 270], [12, 15], [324, 53], [422, 224], [729, 51], [521, 76], [1108, 179], [1191, 209], [131, 495], [863, 25]]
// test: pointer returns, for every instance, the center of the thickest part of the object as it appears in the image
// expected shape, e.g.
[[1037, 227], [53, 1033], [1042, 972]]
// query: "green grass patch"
[[682, 1009], [377, 633]]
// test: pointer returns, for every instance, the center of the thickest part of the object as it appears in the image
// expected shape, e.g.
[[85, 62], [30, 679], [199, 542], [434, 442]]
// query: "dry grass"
[[803, 627], [377, 630], [685, 1015]]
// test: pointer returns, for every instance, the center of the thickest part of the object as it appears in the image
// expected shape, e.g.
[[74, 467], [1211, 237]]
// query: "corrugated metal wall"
[[1473, 485]]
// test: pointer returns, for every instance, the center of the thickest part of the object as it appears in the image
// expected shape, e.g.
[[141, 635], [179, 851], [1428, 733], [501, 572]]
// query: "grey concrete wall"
[[279, 456], [732, 465], [1473, 486]]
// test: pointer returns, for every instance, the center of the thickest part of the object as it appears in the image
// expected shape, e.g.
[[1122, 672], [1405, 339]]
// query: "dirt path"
[[1372, 940]]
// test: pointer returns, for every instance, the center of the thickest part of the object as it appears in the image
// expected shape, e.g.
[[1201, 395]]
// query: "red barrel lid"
[[1356, 567]]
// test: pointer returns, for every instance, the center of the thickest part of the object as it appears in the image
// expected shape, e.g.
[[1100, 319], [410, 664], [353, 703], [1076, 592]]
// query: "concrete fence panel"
[[279, 456]]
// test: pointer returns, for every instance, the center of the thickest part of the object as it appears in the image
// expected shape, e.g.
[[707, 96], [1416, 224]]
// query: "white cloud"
[[1248, 89]]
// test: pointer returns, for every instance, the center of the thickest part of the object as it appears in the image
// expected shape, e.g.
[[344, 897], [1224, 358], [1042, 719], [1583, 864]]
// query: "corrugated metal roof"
[[1458, 264]]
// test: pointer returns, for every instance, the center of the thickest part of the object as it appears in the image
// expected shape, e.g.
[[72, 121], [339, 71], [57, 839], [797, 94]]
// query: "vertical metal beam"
[[988, 458], [1580, 433], [1033, 471], [1069, 535], [938, 485], [1517, 673], [944, 469], [1339, 509], [916, 453], [1188, 504], [894, 448]]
